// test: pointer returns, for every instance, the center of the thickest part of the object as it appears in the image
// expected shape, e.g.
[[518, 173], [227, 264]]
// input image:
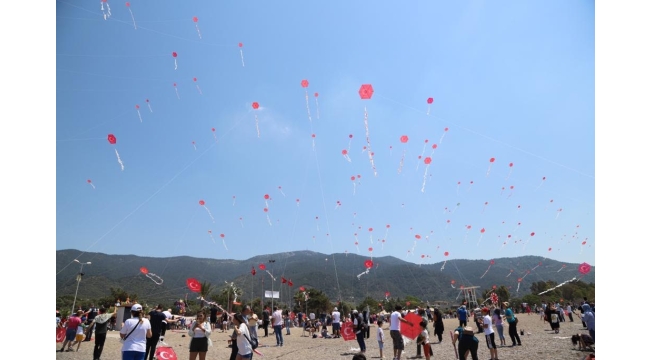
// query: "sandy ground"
[[539, 342]]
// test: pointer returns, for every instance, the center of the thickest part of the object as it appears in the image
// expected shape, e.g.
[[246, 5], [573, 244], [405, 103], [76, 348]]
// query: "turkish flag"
[[411, 332], [60, 334], [347, 329], [165, 353]]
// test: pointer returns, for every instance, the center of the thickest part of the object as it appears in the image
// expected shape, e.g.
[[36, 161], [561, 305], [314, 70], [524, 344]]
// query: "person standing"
[[569, 312], [512, 325], [71, 330], [462, 316], [336, 323], [438, 325], [582, 312], [224, 321], [419, 342], [380, 338], [244, 346], [165, 327], [489, 333], [200, 331], [157, 321], [424, 339], [92, 312], [498, 322], [395, 320], [590, 320], [366, 320], [266, 319], [135, 332], [100, 323], [252, 328], [287, 321], [359, 330], [276, 318], [213, 316]]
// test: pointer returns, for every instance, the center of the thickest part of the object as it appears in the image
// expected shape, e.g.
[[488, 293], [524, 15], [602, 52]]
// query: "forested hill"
[[335, 274]]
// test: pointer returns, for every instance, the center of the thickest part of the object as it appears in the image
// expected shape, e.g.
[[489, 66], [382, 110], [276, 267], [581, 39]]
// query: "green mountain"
[[337, 275]]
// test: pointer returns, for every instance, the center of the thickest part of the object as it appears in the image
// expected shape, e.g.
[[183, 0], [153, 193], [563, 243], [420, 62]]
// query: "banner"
[[347, 331], [165, 353], [60, 335], [271, 294]]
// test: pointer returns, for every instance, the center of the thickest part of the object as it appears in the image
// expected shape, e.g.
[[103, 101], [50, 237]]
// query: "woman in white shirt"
[[200, 331], [245, 349], [134, 333]]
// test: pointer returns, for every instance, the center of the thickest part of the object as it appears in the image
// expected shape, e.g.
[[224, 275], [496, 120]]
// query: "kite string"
[[237, 122], [327, 222], [297, 212]]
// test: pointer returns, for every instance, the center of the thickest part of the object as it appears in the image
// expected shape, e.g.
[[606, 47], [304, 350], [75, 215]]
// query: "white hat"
[[336, 309], [136, 307], [355, 311]]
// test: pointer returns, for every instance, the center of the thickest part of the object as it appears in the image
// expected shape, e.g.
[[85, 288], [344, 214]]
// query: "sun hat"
[[506, 303], [336, 309], [253, 320]]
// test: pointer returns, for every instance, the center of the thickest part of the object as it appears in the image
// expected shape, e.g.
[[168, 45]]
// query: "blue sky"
[[513, 81]]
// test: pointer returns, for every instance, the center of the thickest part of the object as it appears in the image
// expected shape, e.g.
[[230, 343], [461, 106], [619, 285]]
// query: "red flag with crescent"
[[284, 281], [60, 334], [253, 272], [290, 283], [347, 329], [166, 353]]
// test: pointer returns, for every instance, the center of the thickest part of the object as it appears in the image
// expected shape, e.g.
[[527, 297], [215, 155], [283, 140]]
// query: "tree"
[[371, 303], [413, 301], [316, 301], [206, 289]]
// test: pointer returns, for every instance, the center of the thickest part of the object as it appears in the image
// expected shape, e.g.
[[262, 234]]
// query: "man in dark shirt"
[[156, 318], [100, 322], [92, 312], [266, 315], [213, 317]]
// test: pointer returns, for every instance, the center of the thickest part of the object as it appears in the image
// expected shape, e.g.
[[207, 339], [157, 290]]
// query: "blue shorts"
[[70, 334], [381, 345], [247, 356], [336, 326]]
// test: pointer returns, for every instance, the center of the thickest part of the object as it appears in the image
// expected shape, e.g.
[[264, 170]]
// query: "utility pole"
[[272, 283], [79, 276]]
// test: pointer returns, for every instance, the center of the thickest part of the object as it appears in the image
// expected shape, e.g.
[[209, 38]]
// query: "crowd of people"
[[143, 332]]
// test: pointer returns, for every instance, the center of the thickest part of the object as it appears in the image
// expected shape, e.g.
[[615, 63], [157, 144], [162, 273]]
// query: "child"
[[380, 338], [79, 336], [324, 333], [425, 340], [583, 341]]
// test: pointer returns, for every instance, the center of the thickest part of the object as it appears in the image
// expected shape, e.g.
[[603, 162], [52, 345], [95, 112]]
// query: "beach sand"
[[539, 342]]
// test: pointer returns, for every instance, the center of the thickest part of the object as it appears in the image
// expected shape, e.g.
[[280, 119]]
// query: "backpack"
[[253, 341]]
